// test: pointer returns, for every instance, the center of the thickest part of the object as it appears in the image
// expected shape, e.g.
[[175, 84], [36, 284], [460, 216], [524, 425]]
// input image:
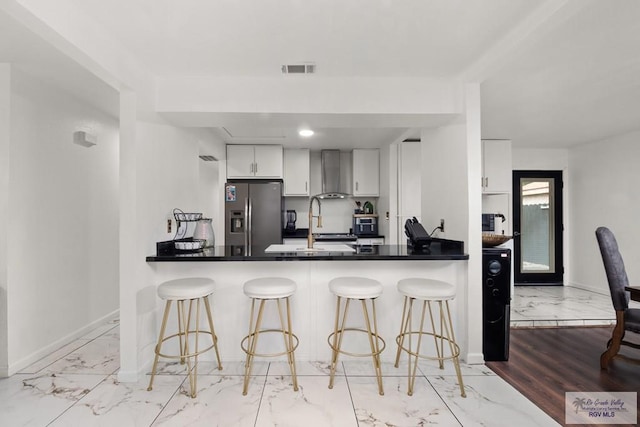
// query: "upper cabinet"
[[366, 172], [254, 161], [296, 172], [496, 166]]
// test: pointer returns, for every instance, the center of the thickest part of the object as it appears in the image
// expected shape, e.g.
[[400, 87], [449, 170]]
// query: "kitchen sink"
[[316, 248]]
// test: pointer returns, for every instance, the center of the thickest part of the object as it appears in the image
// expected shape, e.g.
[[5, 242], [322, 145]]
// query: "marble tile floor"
[[533, 306], [77, 386]]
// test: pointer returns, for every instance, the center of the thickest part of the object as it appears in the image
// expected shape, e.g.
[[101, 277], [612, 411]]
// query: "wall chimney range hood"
[[334, 177]]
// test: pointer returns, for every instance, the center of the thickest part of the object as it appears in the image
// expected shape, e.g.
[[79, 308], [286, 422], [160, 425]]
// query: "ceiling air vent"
[[208, 158], [298, 68]]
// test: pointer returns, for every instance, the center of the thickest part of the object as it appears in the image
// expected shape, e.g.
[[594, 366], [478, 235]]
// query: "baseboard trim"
[[134, 376], [48, 349], [590, 288], [475, 359]]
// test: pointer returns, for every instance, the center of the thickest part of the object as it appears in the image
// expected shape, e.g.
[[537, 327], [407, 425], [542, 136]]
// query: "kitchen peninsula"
[[313, 306]]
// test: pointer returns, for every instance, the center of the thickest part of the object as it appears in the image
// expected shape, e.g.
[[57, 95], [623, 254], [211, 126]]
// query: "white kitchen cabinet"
[[366, 172], [254, 161], [496, 166], [296, 172]]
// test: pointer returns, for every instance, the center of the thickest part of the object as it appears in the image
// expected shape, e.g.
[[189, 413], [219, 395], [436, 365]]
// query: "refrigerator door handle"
[[247, 221]]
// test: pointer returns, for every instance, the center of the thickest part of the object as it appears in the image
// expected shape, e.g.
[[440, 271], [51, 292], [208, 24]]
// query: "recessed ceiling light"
[[305, 132]]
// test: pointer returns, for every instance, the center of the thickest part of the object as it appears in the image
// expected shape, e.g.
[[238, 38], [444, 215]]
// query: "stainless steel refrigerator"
[[254, 215]]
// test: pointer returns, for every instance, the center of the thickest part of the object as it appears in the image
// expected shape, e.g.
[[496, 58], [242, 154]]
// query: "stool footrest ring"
[[243, 344], [378, 337], [182, 356], [456, 348]]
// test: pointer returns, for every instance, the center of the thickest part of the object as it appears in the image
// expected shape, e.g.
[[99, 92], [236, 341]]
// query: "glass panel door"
[[538, 227]]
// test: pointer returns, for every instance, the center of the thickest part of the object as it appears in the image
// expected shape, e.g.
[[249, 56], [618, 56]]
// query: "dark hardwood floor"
[[544, 363]]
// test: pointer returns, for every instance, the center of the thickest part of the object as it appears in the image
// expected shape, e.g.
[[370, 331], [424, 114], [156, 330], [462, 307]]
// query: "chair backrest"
[[614, 267]]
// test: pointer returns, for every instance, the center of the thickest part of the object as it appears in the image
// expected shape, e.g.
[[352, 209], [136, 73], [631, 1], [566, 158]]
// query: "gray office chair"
[[627, 319]]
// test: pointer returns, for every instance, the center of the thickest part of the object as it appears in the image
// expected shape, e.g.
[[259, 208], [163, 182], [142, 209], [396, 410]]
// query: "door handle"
[[516, 234]]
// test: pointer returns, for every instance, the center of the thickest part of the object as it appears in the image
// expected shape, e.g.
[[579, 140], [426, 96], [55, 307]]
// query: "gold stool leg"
[[194, 387], [185, 331], [454, 349], [373, 341], [214, 337], [337, 338], [252, 343], [439, 351], [288, 341], [167, 307], [400, 339], [413, 370]]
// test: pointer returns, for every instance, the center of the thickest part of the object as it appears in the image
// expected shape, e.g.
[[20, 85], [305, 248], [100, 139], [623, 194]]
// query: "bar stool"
[[428, 291], [181, 290], [263, 290], [363, 289]]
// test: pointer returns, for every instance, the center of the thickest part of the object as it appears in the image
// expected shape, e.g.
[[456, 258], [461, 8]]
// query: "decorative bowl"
[[489, 240], [189, 245]]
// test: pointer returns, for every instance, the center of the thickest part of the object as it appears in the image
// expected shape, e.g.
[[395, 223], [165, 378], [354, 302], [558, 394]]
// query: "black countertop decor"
[[440, 250]]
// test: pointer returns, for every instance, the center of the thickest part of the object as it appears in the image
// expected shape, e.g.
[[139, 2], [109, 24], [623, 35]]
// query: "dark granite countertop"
[[439, 250]]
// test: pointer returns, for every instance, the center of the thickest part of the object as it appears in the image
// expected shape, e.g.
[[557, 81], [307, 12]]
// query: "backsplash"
[[337, 214]]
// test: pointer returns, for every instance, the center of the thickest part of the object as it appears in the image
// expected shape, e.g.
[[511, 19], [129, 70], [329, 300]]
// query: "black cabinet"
[[496, 303]]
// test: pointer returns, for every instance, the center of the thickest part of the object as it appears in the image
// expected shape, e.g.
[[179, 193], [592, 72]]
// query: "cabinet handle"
[[305, 187], [251, 168], [486, 182], [256, 168], [356, 185]]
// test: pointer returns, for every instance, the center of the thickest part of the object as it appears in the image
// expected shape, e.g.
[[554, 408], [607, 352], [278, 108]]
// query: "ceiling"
[[554, 73]]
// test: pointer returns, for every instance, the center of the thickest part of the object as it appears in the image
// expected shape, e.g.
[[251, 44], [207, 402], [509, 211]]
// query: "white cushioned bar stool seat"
[[427, 291], [193, 289], [366, 290], [269, 289], [355, 287], [186, 289]]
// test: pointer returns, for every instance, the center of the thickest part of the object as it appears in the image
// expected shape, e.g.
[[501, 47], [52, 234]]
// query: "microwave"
[[365, 225]]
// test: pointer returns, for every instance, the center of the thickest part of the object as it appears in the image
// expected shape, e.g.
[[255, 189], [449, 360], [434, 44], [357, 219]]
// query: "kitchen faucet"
[[319, 216]]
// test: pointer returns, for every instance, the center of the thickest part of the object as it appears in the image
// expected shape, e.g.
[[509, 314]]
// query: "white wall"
[[444, 181], [604, 179], [62, 227], [540, 158], [446, 176], [212, 179], [169, 174], [5, 138]]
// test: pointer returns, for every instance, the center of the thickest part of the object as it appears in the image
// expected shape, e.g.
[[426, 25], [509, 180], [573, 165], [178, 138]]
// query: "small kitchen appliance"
[[492, 223], [418, 238], [292, 216], [365, 224], [204, 231]]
